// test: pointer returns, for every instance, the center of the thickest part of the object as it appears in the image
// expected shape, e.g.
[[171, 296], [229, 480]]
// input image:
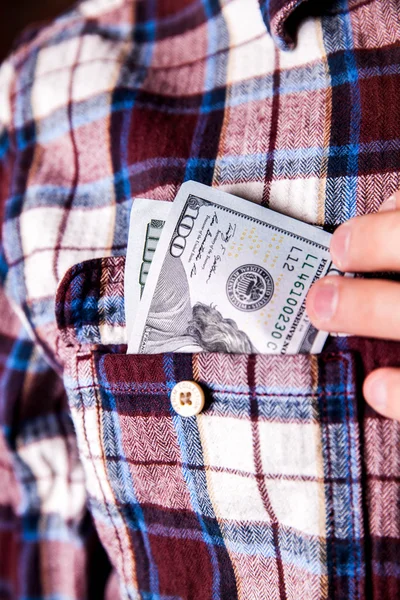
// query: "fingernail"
[[325, 300], [389, 204], [340, 244], [376, 392]]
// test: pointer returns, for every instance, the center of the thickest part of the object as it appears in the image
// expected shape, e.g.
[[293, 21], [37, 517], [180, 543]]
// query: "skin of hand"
[[370, 243]]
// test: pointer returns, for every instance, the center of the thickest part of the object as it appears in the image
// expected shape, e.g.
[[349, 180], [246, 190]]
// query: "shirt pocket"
[[258, 496]]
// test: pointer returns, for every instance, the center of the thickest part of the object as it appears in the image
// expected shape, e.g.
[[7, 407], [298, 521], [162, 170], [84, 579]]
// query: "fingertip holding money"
[[351, 243], [392, 203], [322, 301], [381, 392], [365, 306]]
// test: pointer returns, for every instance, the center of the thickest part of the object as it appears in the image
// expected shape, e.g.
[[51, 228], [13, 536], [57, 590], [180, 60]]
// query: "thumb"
[[391, 203]]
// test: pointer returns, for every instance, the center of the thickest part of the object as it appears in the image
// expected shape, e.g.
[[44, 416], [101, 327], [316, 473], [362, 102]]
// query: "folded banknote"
[[217, 273]]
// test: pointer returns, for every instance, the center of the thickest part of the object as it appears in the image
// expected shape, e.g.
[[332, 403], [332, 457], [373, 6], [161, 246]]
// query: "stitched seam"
[[104, 498]]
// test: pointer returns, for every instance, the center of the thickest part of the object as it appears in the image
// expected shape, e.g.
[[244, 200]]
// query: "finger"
[[382, 391], [368, 243], [356, 306], [391, 203]]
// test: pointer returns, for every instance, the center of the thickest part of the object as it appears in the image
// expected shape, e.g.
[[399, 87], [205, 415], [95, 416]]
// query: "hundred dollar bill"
[[230, 276], [146, 223]]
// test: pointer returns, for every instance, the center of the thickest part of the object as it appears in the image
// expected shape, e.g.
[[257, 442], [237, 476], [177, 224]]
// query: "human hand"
[[365, 307]]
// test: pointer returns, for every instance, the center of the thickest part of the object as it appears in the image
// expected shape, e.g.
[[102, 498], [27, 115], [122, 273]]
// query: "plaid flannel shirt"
[[286, 486]]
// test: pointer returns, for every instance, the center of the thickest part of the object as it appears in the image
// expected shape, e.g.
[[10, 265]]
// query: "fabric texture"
[[287, 485]]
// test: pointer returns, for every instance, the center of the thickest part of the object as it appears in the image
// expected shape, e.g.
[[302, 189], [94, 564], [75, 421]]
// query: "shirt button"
[[187, 398]]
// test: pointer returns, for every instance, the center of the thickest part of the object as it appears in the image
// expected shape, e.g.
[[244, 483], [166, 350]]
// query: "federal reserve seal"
[[249, 287]]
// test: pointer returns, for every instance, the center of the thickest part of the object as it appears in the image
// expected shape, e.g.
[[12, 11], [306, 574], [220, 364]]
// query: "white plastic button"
[[187, 398]]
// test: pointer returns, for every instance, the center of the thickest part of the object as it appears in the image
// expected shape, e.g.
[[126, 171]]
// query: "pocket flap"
[[90, 306]]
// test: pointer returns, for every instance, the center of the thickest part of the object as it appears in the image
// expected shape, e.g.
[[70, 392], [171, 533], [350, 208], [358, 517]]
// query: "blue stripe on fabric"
[[47, 427], [340, 444], [4, 145], [192, 453], [281, 408], [215, 68], [160, 530], [96, 194], [297, 549], [8, 431], [145, 30], [19, 357], [145, 595], [266, 13], [114, 308], [102, 511], [341, 61], [122, 180], [120, 472], [125, 490], [24, 112], [75, 399], [58, 535], [355, 123], [355, 492], [41, 196], [3, 266], [53, 195], [307, 79], [253, 539], [112, 515], [26, 135], [41, 311], [147, 54], [38, 527], [121, 232]]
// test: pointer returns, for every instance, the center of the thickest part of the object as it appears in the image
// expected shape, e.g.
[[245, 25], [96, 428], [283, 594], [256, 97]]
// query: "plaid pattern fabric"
[[285, 486], [42, 490], [288, 103]]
